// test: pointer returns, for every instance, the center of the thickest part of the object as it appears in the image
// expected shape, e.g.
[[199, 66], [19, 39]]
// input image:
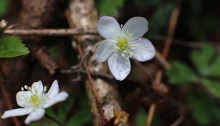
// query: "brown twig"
[[8, 102], [172, 27], [50, 32], [43, 57], [178, 121], [91, 82], [165, 52], [150, 114], [162, 60]]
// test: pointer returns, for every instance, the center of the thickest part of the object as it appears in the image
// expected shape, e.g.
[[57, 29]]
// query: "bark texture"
[[83, 15]]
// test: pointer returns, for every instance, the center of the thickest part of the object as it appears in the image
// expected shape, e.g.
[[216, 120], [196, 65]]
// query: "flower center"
[[124, 46], [35, 100], [122, 43]]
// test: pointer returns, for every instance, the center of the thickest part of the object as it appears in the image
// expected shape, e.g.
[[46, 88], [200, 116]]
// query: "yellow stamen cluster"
[[124, 46], [122, 43], [35, 100]]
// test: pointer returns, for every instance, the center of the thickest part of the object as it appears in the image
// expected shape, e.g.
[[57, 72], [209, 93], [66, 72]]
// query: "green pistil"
[[122, 43], [35, 100]]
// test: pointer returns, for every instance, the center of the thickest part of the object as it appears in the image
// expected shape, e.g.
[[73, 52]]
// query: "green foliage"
[[12, 46], [3, 7], [206, 63], [83, 116], [212, 86], [181, 74], [204, 109], [109, 7], [201, 58]]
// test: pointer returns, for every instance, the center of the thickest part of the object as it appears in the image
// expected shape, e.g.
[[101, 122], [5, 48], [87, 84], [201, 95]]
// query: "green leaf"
[[181, 74], [3, 7], [213, 69], [12, 46], [65, 108], [204, 109], [206, 61], [201, 58], [109, 7], [83, 116], [212, 86]]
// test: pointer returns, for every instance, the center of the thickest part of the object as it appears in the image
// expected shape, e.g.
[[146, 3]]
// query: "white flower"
[[120, 44], [34, 100]]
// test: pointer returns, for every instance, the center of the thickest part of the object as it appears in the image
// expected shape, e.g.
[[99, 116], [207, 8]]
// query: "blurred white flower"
[[34, 100], [3, 23], [120, 44]]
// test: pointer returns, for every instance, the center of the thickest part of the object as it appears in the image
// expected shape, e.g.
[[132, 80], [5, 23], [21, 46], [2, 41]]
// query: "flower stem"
[[54, 120]]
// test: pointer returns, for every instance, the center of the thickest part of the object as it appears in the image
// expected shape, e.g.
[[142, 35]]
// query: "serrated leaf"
[[109, 7], [212, 86], [12, 46], [204, 109], [180, 73], [3, 6]]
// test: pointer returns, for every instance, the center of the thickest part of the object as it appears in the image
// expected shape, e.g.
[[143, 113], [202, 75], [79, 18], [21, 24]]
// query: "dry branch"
[[84, 16], [49, 32]]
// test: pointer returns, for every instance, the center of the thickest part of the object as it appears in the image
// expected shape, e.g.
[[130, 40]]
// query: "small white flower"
[[120, 44], [3, 23], [34, 100]]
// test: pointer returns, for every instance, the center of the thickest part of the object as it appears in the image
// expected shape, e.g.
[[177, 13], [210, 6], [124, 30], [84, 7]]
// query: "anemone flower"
[[123, 43], [34, 100]]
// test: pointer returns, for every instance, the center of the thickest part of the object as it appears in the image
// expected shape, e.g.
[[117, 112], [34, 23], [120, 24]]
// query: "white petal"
[[119, 66], [62, 96], [23, 98], [54, 90], [16, 112], [108, 27], [137, 26], [37, 87], [144, 50], [104, 50], [35, 115]]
